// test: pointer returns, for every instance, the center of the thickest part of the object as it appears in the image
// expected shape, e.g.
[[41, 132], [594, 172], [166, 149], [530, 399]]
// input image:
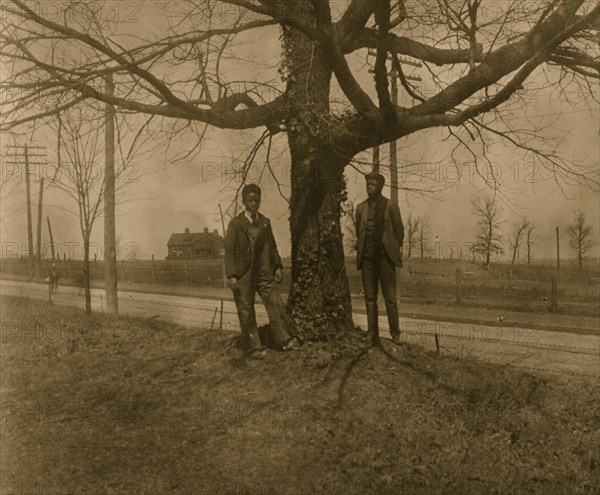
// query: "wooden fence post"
[[221, 318], [554, 302], [213, 319], [458, 286], [153, 271], [187, 273]]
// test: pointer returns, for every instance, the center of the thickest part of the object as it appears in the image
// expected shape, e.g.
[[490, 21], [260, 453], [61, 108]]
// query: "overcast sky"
[[170, 196]]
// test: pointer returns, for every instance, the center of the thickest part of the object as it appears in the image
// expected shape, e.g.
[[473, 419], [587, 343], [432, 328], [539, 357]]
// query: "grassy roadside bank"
[[141, 406]]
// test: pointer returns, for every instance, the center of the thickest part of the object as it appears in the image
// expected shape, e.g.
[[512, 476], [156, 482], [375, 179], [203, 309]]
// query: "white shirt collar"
[[248, 216]]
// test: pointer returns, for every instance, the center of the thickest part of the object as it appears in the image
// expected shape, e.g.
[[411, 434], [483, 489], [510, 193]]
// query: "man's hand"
[[278, 275], [233, 283]]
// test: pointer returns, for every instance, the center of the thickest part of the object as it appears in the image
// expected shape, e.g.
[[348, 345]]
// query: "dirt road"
[[567, 355]]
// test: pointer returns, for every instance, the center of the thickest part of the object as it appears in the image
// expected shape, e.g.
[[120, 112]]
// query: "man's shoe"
[[257, 355], [373, 338], [291, 344], [396, 339]]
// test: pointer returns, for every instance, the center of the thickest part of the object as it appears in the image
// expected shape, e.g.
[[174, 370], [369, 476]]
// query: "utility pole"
[[29, 221], [38, 244], [223, 226], [23, 159], [557, 252], [393, 145], [375, 167], [51, 239], [110, 254]]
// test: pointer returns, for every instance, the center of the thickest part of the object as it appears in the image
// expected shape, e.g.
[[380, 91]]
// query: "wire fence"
[[526, 288]]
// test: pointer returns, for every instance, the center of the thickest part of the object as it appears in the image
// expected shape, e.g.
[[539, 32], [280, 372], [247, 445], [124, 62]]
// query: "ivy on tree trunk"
[[319, 300]]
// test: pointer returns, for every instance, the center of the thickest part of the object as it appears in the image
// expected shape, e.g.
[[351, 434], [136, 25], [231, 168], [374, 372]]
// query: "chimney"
[[206, 230], [187, 231], [216, 232]]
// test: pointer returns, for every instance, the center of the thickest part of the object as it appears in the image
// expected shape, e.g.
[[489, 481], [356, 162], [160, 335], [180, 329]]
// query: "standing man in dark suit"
[[253, 264], [380, 234]]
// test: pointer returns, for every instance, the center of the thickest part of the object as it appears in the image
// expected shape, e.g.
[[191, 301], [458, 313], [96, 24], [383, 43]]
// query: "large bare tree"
[[580, 237], [487, 231], [330, 110]]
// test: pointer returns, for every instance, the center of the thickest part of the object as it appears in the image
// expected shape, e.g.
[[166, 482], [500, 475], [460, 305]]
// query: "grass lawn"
[[103, 405]]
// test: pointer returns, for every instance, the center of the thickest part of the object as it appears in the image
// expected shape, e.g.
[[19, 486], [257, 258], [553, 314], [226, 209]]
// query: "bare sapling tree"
[[80, 172], [488, 239], [580, 237], [423, 232], [517, 230], [350, 227], [412, 227], [529, 242], [317, 95]]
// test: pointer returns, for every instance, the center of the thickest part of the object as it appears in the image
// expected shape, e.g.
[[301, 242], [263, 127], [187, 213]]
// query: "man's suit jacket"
[[393, 231], [238, 248]]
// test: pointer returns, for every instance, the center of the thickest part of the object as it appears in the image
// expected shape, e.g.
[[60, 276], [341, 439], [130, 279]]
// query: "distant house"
[[195, 245]]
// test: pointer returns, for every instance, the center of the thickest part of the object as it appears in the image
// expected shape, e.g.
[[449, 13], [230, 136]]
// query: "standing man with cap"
[[253, 264], [380, 234]]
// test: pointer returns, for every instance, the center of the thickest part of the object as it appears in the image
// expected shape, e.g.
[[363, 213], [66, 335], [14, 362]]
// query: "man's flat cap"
[[377, 176], [250, 188]]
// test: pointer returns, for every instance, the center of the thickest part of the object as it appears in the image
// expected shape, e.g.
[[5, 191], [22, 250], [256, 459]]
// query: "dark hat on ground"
[[377, 176], [250, 188]]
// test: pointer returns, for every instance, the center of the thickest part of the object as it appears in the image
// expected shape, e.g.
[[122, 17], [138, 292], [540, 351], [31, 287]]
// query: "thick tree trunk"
[[86, 275], [319, 301]]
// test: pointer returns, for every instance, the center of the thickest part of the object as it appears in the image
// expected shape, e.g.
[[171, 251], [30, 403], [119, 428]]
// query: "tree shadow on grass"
[[428, 374], [346, 376]]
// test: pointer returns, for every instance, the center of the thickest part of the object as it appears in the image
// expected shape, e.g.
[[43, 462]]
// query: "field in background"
[[427, 281]]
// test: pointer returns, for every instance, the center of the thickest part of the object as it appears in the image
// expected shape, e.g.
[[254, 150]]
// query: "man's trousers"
[[244, 300], [375, 271]]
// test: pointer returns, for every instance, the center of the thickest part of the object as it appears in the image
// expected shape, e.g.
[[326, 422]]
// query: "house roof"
[[193, 238]]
